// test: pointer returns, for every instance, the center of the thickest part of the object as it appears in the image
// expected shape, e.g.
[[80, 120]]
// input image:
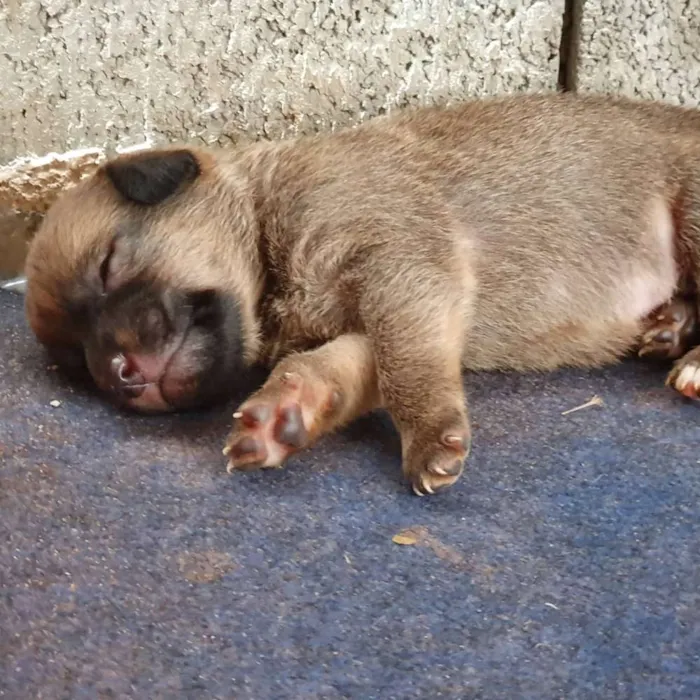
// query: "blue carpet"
[[564, 564]]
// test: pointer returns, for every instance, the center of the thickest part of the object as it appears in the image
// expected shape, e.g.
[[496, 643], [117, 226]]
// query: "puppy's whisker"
[[142, 386]]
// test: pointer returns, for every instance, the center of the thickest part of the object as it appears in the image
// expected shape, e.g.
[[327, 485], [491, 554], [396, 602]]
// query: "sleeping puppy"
[[369, 267]]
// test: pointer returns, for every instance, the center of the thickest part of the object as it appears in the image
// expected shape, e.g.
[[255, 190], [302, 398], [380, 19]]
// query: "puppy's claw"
[[459, 443], [430, 484], [426, 487], [292, 378]]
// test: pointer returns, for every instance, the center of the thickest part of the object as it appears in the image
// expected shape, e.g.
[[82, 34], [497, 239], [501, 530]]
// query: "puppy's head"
[[148, 273]]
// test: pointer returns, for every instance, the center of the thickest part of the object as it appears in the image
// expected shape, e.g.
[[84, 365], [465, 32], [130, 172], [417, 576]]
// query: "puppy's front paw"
[[280, 419], [433, 465]]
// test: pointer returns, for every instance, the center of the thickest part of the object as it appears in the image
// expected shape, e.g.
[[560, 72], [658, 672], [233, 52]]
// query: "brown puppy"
[[369, 267]]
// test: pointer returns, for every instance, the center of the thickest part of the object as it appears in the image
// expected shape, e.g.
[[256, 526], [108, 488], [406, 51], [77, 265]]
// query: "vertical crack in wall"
[[569, 46]]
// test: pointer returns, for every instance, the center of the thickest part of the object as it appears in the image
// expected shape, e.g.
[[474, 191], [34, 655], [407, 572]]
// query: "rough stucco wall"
[[122, 72], [641, 48]]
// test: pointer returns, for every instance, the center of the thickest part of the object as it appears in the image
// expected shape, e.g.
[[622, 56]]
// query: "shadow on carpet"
[[564, 564]]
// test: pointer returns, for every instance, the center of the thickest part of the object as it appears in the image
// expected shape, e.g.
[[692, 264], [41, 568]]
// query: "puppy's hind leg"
[[685, 375]]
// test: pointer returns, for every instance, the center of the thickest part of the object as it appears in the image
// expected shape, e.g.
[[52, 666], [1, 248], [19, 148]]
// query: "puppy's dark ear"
[[151, 177]]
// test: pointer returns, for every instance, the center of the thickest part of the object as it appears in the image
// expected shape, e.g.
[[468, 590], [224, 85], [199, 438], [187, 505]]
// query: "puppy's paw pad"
[[254, 416], [284, 416], [246, 453], [266, 432], [289, 428]]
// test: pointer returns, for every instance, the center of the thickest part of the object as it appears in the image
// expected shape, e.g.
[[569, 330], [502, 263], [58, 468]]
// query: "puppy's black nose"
[[126, 378]]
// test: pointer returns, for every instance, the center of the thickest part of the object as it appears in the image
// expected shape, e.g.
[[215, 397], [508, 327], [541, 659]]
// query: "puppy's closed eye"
[[106, 269], [115, 265]]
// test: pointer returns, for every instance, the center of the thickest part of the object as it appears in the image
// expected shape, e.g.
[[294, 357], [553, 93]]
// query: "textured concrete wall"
[[118, 73], [640, 48], [127, 73]]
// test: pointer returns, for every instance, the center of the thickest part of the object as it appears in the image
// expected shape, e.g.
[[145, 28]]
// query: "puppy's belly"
[[571, 319], [585, 340]]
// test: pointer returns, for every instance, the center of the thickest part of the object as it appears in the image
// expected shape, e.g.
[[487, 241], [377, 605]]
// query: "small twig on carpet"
[[595, 401]]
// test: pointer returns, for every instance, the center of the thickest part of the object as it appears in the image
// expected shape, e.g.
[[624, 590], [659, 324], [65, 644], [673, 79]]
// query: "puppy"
[[369, 267]]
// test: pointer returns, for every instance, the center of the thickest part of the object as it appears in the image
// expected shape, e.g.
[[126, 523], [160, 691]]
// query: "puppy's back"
[[565, 203]]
